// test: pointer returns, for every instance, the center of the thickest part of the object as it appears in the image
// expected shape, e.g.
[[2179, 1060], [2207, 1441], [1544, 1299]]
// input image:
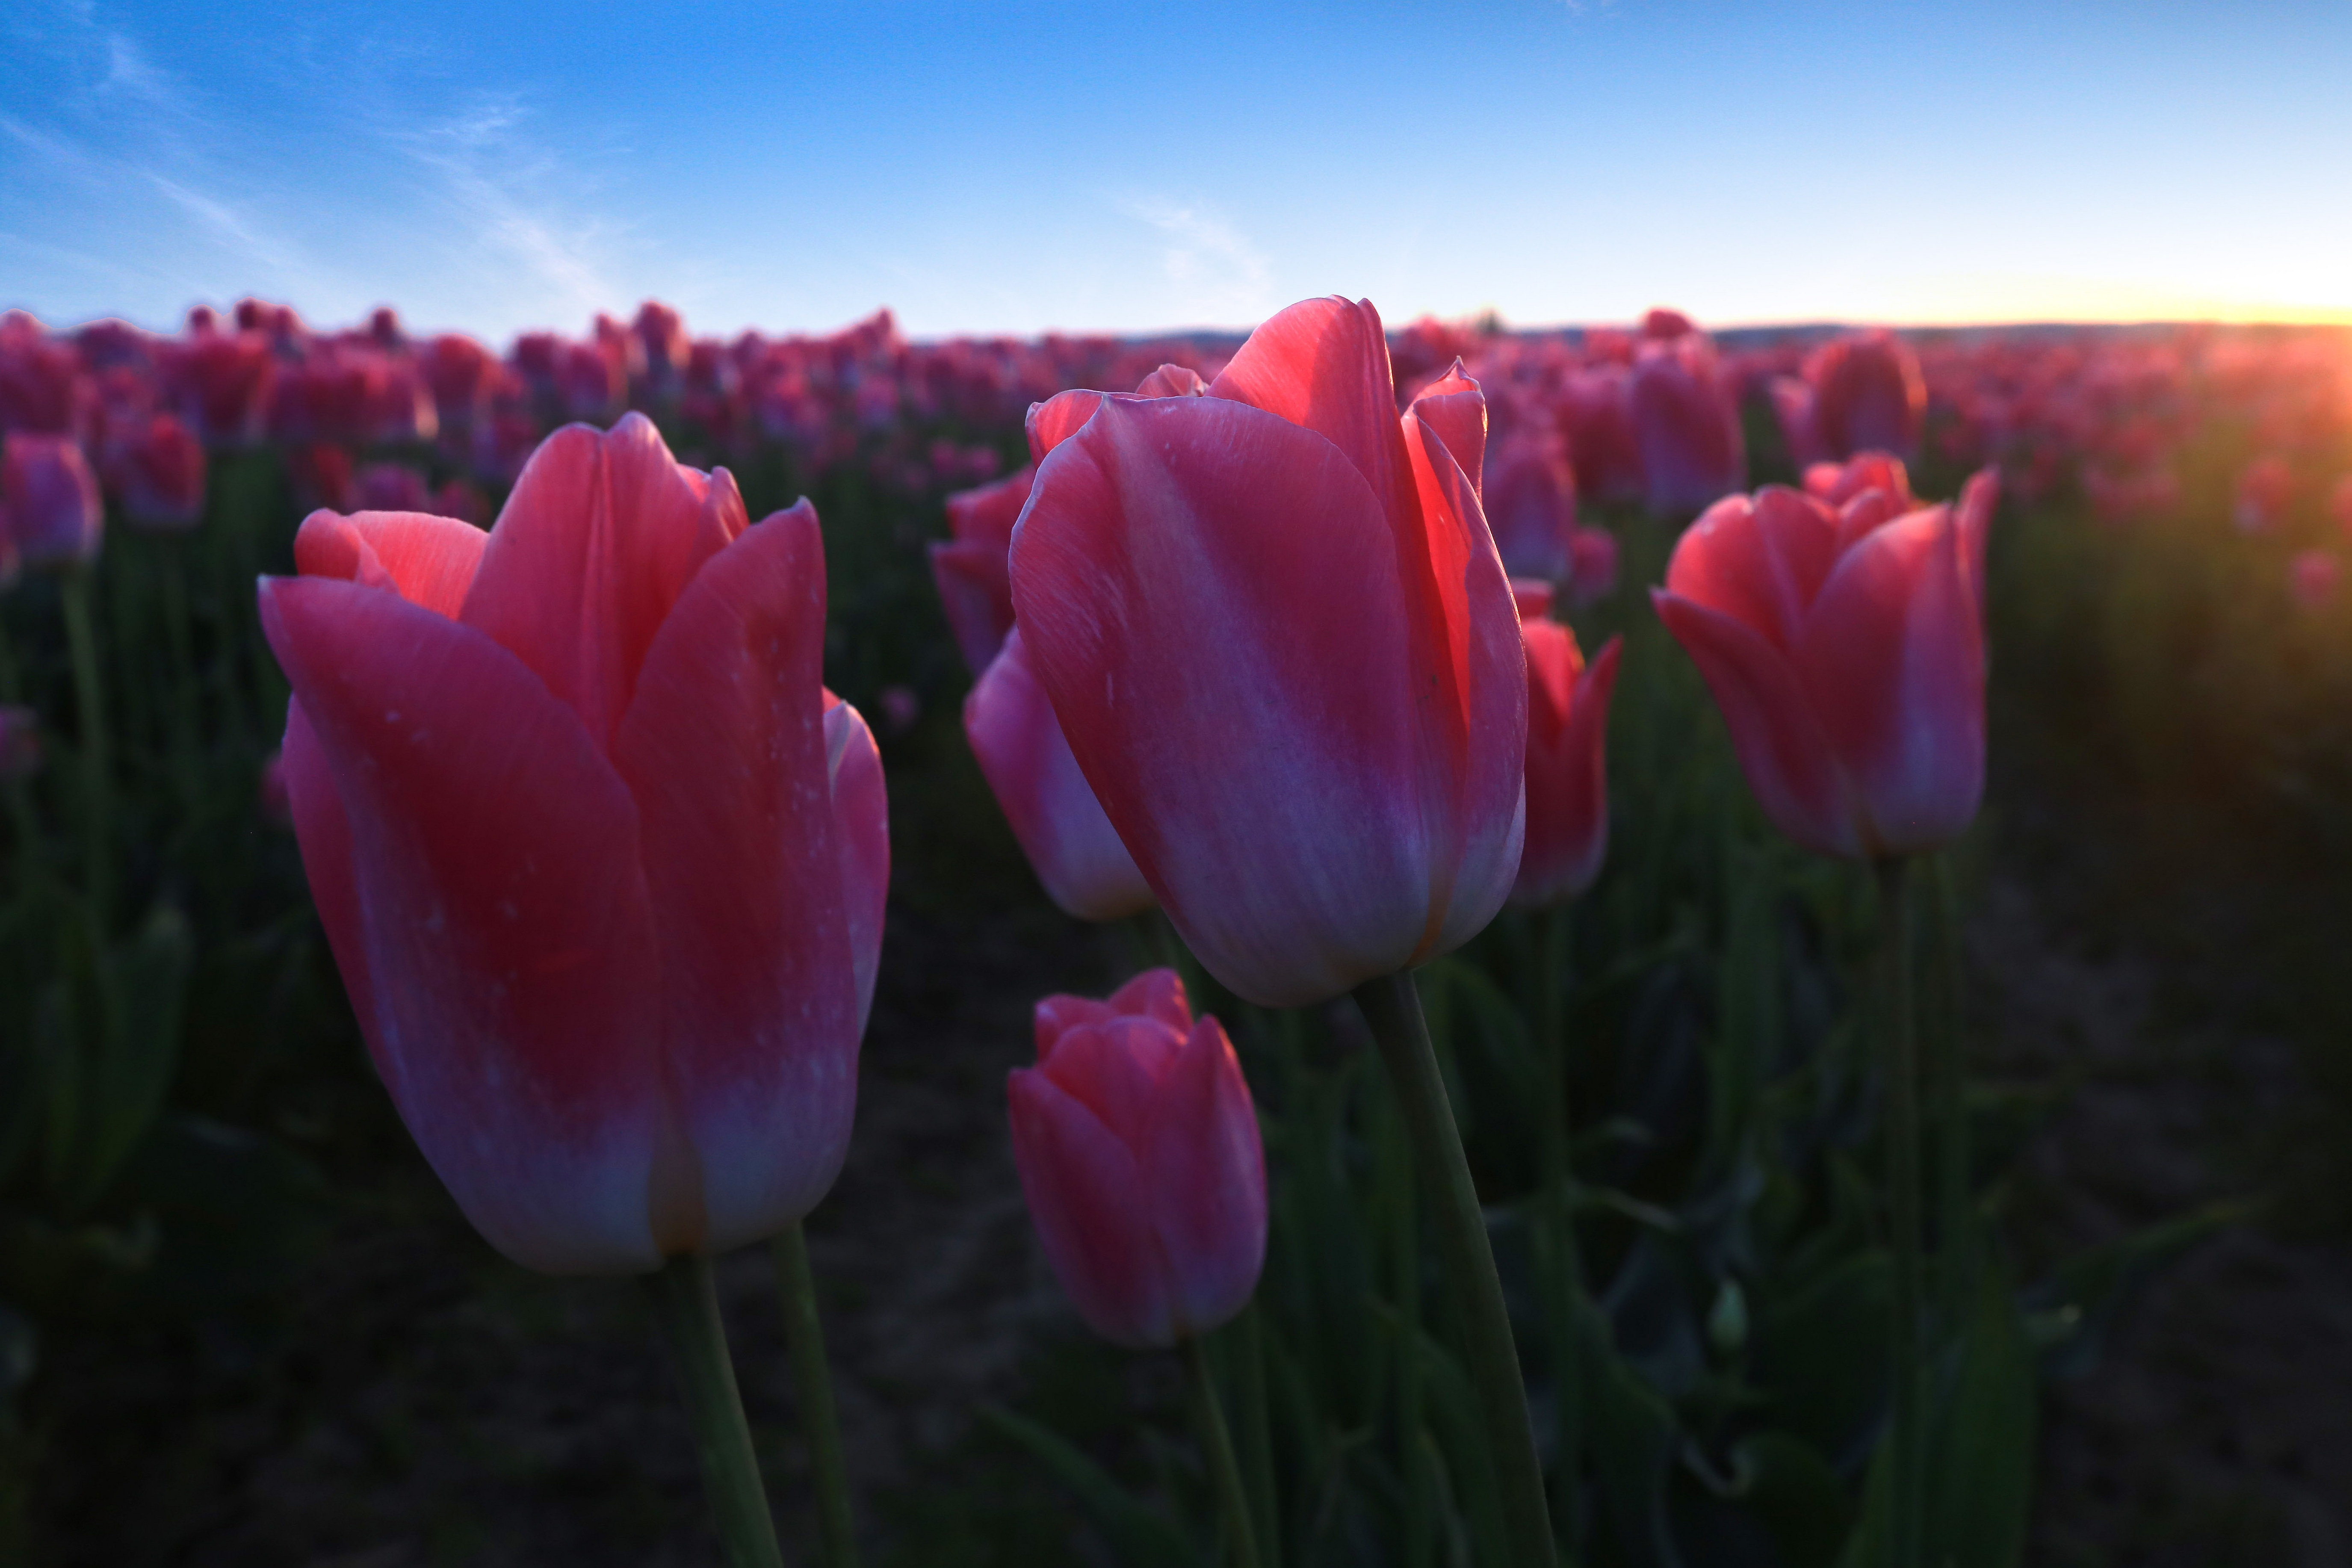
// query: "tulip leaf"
[[1820, 1354], [1138, 1536], [111, 1044], [1796, 1495], [1979, 1452], [1633, 1436], [2075, 1308]]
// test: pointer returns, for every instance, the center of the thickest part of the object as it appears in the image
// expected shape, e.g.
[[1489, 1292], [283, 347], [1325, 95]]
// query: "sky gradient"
[[494, 165]]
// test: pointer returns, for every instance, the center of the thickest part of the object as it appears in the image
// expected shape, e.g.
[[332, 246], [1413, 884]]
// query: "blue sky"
[[494, 165]]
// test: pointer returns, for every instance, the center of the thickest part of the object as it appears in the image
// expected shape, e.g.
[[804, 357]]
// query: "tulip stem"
[[685, 1307], [1955, 1226], [813, 1385], [1217, 1446], [1257, 1432], [1559, 1268], [1901, 1068], [90, 713], [1392, 1007]]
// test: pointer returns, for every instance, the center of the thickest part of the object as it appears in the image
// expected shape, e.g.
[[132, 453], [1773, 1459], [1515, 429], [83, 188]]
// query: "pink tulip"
[[1596, 413], [1054, 813], [1845, 648], [2263, 491], [1687, 422], [160, 475], [1281, 645], [1568, 780], [974, 579], [1862, 392], [1529, 495], [1138, 1152], [1591, 567], [600, 861], [51, 501], [2314, 576]]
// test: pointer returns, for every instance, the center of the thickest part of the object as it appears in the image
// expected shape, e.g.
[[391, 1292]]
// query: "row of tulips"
[[602, 863]]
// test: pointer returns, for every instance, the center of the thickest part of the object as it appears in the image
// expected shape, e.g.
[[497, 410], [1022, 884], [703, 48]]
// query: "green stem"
[[187, 724], [1559, 1266], [1392, 1006], [1955, 1229], [1257, 1432], [813, 1385], [1217, 1448], [1398, 1199], [685, 1308], [1901, 1068], [30, 848], [97, 775]]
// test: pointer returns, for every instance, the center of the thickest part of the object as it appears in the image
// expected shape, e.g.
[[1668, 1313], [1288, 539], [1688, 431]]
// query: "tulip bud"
[[1567, 778], [975, 582], [1138, 1151], [51, 500], [1054, 813], [1687, 419], [1281, 647], [1845, 649]]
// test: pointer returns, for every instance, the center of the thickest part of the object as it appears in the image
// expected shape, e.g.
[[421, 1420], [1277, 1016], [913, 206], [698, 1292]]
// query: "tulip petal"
[[1893, 661], [1204, 1165], [510, 959], [1114, 1067], [1155, 994], [975, 587], [861, 814], [1059, 417], [1781, 746], [1477, 726], [602, 533], [1173, 381], [1759, 562], [1084, 1190], [427, 559], [1257, 752], [1022, 752], [1324, 364], [1453, 408], [723, 750]]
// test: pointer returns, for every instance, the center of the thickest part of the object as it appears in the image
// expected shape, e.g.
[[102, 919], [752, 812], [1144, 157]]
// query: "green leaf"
[[1821, 1354], [1797, 1496], [112, 1031], [1138, 1535], [1633, 1438], [2075, 1308], [1979, 1479]]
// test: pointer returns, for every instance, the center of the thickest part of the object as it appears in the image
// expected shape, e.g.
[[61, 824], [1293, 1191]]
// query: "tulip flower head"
[[1138, 1152], [1686, 419], [1021, 750], [50, 500], [1845, 644], [2314, 576], [1282, 648], [1567, 778], [600, 861], [974, 581]]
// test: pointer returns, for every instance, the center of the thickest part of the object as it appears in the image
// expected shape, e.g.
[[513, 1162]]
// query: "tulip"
[[1860, 392], [2313, 575], [1139, 1152], [1567, 779], [160, 473], [1845, 648], [2263, 491], [601, 867], [1529, 495], [975, 582], [1687, 423], [1596, 414], [51, 502], [1591, 567], [1281, 646], [1061, 826]]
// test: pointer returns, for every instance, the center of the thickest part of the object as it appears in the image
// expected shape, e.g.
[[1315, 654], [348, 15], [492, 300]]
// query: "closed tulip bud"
[[1596, 413], [600, 860], [1687, 422], [160, 474], [1061, 827], [1567, 778], [54, 512], [1845, 648], [2315, 576], [1867, 396], [974, 579], [1138, 1152], [1282, 648], [1593, 567], [1530, 497]]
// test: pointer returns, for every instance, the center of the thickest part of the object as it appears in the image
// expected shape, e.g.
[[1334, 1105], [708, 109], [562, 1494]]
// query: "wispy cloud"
[[1219, 276]]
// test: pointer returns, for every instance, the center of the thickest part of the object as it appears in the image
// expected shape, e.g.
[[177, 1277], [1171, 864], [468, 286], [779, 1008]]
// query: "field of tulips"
[[1358, 946]]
